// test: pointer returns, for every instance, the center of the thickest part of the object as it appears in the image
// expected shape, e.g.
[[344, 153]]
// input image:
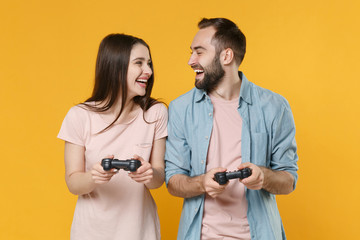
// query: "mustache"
[[197, 66]]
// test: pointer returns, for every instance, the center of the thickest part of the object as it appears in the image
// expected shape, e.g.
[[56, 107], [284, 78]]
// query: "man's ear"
[[228, 56]]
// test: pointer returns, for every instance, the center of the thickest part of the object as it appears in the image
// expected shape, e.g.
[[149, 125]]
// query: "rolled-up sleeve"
[[177, 156], [284, 151]]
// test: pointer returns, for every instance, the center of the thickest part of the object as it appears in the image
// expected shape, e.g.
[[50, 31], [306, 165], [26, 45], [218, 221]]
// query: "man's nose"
[[192, 60]]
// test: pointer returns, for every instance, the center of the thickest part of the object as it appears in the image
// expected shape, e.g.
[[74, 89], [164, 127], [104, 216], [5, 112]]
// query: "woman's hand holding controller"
[[144, 174], [99, 175]]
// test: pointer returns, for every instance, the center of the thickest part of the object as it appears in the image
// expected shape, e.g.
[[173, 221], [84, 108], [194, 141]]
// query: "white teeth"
[[142, 80], [198, 71]]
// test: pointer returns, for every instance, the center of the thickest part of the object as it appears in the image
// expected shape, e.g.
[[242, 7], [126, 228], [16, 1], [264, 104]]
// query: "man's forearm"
[[184, 186], [277, 182]]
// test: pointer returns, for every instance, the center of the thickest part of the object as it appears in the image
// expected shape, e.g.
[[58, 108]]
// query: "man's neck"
[[229, 87]]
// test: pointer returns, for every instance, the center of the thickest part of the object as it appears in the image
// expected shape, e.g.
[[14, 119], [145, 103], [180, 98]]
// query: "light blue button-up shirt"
[[267, 138]]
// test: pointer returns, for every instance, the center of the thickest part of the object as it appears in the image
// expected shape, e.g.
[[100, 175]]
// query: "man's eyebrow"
[[197, 48]]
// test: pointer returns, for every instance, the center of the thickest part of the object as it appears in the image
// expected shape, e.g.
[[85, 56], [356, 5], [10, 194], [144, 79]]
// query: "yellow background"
[[308, 51]]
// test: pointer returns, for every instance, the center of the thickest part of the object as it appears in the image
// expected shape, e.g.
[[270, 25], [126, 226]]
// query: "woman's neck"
[[129, 111]]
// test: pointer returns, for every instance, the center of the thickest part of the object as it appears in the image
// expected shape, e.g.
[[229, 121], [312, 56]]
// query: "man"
[[228, 123]]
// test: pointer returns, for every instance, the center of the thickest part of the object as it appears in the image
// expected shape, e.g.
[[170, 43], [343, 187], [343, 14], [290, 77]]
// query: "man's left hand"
[[256, 180]]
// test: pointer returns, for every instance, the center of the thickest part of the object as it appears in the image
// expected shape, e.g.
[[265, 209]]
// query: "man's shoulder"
[[268, 105], [266, 97]]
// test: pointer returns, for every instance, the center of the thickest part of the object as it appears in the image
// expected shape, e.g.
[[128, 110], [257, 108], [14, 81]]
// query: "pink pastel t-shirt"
[[121, 208], [225, 217]]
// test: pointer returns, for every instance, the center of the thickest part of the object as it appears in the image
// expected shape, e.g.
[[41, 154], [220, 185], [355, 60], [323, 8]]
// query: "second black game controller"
[[223, 177], [128, 165]]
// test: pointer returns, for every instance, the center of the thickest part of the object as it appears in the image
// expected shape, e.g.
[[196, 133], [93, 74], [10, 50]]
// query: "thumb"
[[244, 165], [137, 157], [218, 169]]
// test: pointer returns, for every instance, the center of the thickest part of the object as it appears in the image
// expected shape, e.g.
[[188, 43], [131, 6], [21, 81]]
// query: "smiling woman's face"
[[139, 71]]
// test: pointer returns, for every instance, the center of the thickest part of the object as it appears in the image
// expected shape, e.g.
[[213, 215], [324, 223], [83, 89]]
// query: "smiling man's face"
[[205, 61]]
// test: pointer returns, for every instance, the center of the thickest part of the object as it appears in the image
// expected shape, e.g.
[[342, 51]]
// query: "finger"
[[111, 171], [216, 170], [245, 165], [143, 168], [254, 187], [109, 174], [210, 175], [214, 185], [98, 181], [137, 157], [101, 179], [105, 174], [95, 172], [250, 180], [214, 194], [142, 179], [211, 183], [146, 168], [136, 176], [215, 188], [97, 167], [222, 186], [133, 176], [144, 182]]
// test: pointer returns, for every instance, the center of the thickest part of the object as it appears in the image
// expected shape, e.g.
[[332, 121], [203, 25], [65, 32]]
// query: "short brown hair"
[[227, 35]]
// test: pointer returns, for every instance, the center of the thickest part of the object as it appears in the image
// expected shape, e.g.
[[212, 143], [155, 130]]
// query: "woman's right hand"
[[99, 175]]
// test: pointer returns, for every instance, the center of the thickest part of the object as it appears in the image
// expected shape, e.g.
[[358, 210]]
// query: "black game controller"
[[128, 165], [223, 177]]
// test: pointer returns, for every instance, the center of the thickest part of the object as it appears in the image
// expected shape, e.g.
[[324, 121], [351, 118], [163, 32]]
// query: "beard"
[[212, 76]]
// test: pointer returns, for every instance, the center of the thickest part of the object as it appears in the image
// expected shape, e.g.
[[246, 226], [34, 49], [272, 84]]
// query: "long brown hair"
[[111, 75]]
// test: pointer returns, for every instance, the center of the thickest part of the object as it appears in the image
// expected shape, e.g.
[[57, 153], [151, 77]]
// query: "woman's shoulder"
[[79, 109], [156, 111], [80, 112], [159, 108]]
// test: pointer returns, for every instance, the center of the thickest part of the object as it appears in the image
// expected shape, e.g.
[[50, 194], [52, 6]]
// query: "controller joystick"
[[223, 177], [128, 165]]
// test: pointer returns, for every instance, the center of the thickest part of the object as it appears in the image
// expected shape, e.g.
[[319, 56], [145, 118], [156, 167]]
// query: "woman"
[[120, 120]]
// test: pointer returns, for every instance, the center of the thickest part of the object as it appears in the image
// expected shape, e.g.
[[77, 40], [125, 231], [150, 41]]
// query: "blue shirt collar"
[[200, 94], [245, 93]]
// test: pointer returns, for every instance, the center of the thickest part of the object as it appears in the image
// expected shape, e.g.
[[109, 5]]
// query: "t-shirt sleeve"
[[72, 128], [161, 122]]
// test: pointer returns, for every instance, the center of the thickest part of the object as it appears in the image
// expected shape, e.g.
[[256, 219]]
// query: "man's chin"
[[199, 84]]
